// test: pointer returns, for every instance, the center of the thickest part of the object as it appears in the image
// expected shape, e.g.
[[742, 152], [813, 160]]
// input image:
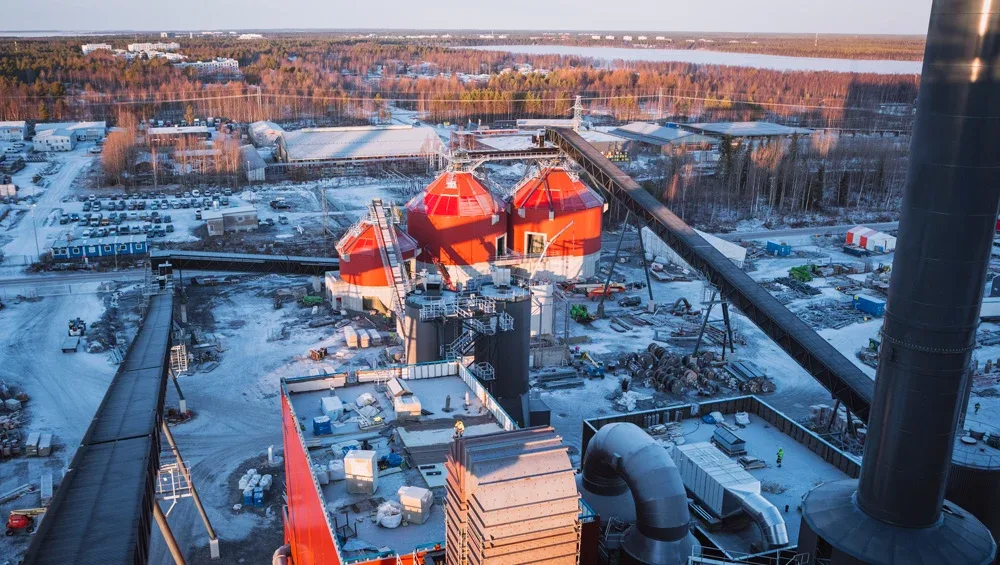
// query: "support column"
[[213, 540]]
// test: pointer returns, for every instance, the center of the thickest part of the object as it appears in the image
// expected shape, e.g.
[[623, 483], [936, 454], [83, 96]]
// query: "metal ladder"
[[392, 258]]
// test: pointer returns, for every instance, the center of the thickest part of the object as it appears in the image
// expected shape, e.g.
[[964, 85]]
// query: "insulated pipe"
[[622, 457], [767, 517], [946, 227]]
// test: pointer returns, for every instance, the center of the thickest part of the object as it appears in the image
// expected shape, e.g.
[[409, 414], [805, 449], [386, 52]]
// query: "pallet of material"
[[71, 344]]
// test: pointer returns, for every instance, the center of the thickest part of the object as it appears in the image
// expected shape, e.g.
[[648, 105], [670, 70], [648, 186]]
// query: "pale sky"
[[784, 16]]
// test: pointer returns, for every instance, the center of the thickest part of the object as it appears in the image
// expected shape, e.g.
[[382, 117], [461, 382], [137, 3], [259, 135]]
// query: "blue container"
[[777, 249], [247, 496], [258, 496], [869, 305], [322, 426]]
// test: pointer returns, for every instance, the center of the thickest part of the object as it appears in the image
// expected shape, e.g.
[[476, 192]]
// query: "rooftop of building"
[[71, 126], [175, 130], [455, 193], [13, 124], [655, 134], [66, 241], [557, 190], [331, 144], [361, 239], [808, 459], [221, 212], [747, 129], [251, 158], [425, 442]]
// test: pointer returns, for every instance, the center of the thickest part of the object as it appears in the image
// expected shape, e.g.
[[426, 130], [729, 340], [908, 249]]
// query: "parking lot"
[[151, 214]]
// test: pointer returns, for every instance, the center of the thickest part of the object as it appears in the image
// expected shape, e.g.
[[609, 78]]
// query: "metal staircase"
[[392, 258]]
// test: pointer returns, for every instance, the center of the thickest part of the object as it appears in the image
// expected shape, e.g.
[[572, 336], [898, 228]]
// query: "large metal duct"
[[945, 237], [622, 457], [767, 517]]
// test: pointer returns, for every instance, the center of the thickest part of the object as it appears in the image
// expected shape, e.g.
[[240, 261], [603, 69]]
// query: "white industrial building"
[[89, 48], [253, 163], [81, 131], [662, 253], [265, 133], [158, 46], [213, 66], [55, 140], [352, 144], [13, 130]]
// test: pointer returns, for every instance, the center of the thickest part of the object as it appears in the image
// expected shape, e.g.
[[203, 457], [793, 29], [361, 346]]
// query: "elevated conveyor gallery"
[[102, 511], [827, 365], [242, 262]]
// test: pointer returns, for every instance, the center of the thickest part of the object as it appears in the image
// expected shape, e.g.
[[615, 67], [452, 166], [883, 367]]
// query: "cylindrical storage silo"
[[974, 477], [556, 214], [508, 351], [542, 309], [362, 270], [423, 339], [459, 224]]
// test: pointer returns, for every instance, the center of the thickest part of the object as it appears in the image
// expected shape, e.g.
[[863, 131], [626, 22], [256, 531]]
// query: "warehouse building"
[[359, 145], [644, 135], [229, 220], [13, 130], [265, 134], [81, 131], [747, 130], [253, 164], [169, 135], [54, 140]]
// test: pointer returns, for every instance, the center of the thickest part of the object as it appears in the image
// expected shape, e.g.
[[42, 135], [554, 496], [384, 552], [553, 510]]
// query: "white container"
[[244, 483], [265, 482], [417, 503], [375, 338], [361, 469], [365, 340], [12, 404], [332, 407], [406, 407], [351, 337], [336, 470], [45, 445], [31, 446], [321, 475]]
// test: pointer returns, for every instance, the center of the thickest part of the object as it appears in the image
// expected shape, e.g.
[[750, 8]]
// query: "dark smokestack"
[[946, 230]]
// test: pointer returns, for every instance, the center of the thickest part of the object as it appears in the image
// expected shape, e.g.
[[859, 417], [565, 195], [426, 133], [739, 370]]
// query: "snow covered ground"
[[65, 388]]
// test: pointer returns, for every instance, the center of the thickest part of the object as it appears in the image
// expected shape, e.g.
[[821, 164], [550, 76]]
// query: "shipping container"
[[869, 305], [45, 445], [332, 407], [31, 446], [778, 249]]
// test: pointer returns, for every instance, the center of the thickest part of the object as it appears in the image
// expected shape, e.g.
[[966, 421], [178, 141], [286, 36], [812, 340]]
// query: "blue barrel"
[[247, 496], [258, 496]]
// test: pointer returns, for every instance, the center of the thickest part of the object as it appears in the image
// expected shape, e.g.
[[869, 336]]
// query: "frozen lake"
[[775, 62]]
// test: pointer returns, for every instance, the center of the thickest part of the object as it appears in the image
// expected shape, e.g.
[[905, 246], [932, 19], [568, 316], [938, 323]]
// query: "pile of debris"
[[11, 420], [780, 292], [798, 286], [676, 374], [830, 314], [988, 377], [747, 377], [878, 280]]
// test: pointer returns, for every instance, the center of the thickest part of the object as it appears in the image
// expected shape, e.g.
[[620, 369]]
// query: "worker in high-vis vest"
[[459, 428], [781, 455]]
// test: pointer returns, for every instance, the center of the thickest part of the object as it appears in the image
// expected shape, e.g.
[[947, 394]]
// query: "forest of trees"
[[330, 81]]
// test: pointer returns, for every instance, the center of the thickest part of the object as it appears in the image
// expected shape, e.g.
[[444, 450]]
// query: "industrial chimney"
[[896, 512]]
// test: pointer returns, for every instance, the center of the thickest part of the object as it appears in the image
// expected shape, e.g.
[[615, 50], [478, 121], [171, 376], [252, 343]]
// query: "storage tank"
[[360, 258], [422, 339], [974, 477], [459, 223], [508, 351], [541, 209]]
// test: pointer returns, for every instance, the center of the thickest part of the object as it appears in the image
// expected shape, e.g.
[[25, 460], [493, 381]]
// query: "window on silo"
[[535, 243]]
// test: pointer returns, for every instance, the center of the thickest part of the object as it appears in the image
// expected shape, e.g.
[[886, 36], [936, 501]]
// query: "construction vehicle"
[[593, 367], [580, 314], [279, 204], [77, 327], [23, 520], [311, 300], [317, 354]]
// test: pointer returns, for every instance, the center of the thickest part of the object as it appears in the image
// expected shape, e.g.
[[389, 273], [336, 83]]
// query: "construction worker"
[[459, 428], [977, 407], [781, 455]]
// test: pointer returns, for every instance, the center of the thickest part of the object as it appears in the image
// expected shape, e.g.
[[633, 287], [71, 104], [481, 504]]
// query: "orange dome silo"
[[361, 259], [459, 223], [552, 201]]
